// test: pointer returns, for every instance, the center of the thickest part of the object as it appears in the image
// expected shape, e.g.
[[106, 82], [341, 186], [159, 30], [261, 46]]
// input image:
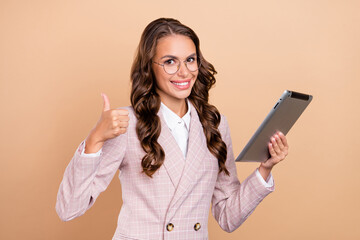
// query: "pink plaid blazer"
[[175, 202]]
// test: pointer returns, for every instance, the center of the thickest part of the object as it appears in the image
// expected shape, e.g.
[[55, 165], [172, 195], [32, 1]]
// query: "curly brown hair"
[[146, 102]]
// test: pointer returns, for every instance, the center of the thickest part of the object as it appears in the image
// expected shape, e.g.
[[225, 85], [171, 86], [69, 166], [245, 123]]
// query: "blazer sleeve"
[[86, 177], [232, 202]]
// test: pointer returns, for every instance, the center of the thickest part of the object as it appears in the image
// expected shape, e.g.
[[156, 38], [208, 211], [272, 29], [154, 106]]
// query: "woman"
[[173, 149]]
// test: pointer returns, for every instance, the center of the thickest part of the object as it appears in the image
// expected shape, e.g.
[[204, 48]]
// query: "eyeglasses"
[[171, 66]]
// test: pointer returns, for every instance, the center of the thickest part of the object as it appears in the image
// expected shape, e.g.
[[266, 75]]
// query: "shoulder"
[[224, 125]]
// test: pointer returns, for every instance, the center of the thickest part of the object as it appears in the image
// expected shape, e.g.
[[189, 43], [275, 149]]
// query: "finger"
[[279, 142], [106, 102], [120, 112], [123, 130], [283, 139], [124, 118], [115, 124], [119, 131], [121, 118], [271, 150], [123, 124], [275, 145], [122, 121]]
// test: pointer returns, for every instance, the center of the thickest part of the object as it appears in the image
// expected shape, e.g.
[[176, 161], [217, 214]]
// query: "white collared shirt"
[[179, 127]]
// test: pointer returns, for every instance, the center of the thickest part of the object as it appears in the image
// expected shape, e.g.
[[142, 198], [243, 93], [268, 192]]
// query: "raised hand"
[[112, 123], [278, 148]]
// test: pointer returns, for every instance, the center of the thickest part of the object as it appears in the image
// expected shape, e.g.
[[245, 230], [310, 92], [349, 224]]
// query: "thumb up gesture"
[[112, 123]]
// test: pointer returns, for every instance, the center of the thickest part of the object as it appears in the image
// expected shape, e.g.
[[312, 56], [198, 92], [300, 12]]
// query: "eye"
[[191, 59], [170, 62]]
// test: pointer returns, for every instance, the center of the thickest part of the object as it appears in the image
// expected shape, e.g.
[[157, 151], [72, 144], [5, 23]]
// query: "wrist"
[[93, 143], [264, 171], [266, 167]]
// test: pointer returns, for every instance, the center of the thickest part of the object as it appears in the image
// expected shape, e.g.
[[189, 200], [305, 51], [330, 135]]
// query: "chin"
[[183, 95]]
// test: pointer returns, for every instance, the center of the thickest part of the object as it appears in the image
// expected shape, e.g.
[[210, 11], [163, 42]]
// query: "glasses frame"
[[178, 67]]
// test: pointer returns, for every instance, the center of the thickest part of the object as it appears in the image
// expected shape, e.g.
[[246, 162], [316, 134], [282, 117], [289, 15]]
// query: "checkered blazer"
[[175, 202]]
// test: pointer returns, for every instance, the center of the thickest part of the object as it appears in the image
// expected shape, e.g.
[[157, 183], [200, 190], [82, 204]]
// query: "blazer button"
[[169, 227], [197, 226]]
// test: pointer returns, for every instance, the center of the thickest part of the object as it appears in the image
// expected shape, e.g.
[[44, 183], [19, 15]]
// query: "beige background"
[[56, 57]]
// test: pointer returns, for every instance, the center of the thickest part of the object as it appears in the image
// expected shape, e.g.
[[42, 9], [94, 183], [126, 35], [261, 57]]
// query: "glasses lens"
[[172, 66], [192, 64]]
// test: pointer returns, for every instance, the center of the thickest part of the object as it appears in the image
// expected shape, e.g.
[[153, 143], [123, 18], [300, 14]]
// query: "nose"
[[183, 70]]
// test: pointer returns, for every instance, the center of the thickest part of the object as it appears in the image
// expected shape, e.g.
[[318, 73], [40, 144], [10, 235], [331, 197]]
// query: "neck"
[[179, 107]]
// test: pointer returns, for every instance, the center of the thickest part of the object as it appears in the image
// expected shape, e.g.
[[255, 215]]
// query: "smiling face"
[[173, 89]]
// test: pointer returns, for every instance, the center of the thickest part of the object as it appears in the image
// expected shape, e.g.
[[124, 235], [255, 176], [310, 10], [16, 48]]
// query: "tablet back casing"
[[281, 118]]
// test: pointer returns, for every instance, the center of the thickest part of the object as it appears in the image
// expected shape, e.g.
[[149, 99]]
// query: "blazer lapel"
[[174, 160], [197, 148]]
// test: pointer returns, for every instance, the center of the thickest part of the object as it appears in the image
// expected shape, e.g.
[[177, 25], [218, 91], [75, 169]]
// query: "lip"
[[181, 81], [185, 84]]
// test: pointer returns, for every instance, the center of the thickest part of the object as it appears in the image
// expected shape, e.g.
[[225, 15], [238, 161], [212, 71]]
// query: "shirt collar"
[[172, 118]]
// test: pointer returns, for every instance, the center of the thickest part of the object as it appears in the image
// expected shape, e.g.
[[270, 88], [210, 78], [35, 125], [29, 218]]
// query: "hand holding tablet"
[[278, 149]]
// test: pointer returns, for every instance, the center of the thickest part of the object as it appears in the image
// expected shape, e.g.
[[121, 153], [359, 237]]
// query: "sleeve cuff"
[[97, 154], [269, 181]]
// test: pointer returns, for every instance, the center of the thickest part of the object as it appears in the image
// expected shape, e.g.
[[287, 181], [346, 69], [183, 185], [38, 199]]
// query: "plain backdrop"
[[57, 56]]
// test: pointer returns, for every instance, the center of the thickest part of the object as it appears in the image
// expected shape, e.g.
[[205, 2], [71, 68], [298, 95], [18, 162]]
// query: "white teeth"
[[181, 84]]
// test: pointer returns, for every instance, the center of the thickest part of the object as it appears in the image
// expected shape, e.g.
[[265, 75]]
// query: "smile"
[[181, 84]]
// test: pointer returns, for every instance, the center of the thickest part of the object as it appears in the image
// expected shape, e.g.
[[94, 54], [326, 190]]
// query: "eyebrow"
[[172, 56]]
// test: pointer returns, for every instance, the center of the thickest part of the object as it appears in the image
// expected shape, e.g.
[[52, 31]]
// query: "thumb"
[[106, 102]]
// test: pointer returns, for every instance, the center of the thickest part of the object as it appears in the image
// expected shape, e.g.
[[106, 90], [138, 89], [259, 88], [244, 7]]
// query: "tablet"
[[281, 118]]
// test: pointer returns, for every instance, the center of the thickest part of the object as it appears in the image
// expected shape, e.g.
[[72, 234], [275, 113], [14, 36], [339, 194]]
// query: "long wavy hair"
[[146, 102]]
